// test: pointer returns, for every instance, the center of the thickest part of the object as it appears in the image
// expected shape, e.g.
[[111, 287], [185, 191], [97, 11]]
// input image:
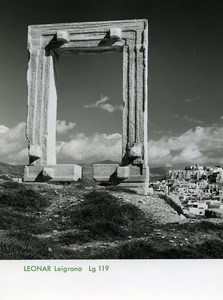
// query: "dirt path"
[[154, 207]]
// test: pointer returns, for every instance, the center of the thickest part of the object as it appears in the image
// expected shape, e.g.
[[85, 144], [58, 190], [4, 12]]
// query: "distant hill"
[[108, 161], [7, 172], [158, 173]]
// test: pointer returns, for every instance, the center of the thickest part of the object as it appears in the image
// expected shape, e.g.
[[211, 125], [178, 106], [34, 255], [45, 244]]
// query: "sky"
[[185, 82]]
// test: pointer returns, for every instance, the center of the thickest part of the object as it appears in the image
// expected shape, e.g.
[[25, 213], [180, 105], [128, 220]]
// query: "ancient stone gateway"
[[45, 44]]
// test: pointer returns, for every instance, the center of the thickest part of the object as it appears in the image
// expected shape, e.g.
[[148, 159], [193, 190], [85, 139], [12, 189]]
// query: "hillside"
[[84, 221], [7, 172], [158, 173]]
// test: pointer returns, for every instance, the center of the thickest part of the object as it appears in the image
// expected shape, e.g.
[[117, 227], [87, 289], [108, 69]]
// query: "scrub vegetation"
[[55, 221]]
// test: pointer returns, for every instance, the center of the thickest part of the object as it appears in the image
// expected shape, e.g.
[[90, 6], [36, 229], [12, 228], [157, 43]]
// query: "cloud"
[[3, 129], [63, 128], [13, 143], [187, 118], [221, 117], [192, 99], [97, 147], [202, 145], [103, 105], [80, 148]]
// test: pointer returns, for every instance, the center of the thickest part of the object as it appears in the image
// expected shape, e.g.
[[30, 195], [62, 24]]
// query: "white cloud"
[[13, 143], [221, 117], [3, 129], [63, 127], [105, 106], [81, 148], [97, 147], [201, 145]]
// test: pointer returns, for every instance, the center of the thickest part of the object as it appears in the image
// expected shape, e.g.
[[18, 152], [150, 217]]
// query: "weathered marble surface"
[[61, 172], [46, 43]]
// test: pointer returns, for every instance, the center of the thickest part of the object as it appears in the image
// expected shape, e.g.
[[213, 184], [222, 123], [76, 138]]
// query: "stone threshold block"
[[62, 172], [132, 177], [104, 172], [114, 173]]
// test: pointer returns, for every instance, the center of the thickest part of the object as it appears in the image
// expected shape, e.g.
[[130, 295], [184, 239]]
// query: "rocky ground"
[[85, 221]]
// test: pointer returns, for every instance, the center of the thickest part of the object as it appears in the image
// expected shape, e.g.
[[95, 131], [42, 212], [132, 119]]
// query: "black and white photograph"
[[111, 138]]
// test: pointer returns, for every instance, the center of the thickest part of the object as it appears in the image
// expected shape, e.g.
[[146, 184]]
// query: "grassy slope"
[[82, 221]]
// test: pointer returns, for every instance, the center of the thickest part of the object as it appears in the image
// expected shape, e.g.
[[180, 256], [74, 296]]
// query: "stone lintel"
[[40, 35]]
